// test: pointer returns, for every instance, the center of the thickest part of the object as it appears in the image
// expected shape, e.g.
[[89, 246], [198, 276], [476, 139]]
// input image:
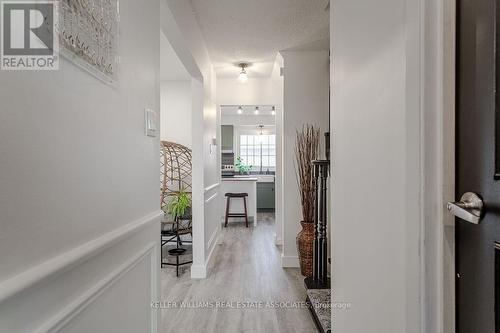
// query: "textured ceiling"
[[255, 30]]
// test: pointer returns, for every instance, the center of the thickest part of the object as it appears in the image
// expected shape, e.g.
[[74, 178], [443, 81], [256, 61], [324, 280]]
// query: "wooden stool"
[[236, 195]]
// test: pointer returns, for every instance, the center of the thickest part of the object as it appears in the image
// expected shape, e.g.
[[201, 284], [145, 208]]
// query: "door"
[[476, 166]]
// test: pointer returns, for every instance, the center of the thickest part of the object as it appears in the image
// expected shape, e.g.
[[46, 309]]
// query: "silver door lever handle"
[[470, 208]]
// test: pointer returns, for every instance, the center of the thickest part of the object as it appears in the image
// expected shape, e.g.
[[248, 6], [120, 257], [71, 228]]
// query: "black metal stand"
[[320, 279], [177, 251]]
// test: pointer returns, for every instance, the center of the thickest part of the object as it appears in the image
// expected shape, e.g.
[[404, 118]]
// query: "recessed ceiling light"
[[240, 110], [256, 110]]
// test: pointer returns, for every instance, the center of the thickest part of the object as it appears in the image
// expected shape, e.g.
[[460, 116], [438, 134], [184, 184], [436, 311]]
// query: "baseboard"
[[214, 241], [200, 271], [277, 240], [289, 261]]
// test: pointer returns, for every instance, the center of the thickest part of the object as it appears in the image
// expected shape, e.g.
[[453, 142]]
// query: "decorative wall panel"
[[88, 35]]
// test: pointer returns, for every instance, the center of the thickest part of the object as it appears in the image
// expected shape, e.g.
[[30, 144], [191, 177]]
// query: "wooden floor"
[[246, 268]]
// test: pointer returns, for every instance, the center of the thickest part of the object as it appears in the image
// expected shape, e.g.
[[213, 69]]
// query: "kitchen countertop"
[[236, 179]]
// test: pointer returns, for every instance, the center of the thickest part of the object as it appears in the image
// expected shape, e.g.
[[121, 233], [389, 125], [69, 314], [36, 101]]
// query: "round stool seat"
[[236, 195]]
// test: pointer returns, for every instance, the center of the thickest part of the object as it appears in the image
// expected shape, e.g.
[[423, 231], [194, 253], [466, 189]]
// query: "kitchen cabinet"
[[265, 196], [227, 134]]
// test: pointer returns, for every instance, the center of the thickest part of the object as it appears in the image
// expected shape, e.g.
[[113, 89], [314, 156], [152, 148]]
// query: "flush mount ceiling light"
[[256, 110], [273, 111], [240, 110], [243, 77]]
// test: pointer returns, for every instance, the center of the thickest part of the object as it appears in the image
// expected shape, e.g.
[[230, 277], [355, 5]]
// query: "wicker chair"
[[176, 176]]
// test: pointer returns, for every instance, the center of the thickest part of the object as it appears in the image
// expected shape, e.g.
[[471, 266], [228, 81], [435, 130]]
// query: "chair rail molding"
[[211, 187], [73, 257], [212, 197], [58, 322]]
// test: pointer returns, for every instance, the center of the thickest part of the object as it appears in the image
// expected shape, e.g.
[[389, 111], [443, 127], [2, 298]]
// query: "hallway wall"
[[176, 112], [306, 91], [376, 148], [79, 197]]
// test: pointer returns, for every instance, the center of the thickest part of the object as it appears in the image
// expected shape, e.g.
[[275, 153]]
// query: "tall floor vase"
[[305, 248]]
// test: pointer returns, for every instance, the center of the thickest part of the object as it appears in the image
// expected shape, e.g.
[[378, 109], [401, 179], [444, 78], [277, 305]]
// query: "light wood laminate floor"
[[246, 268]]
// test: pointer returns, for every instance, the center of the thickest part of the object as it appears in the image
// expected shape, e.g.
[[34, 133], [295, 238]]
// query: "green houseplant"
[[241, 167], [179, 205]]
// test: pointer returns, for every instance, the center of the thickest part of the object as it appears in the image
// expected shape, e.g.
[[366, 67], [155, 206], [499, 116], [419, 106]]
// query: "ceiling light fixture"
[[261, 128], [240, 110], [243, 77], [256, 110], [273, 111]]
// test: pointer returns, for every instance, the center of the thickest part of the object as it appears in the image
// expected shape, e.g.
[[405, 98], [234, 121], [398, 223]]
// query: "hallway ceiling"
[[254, 31]]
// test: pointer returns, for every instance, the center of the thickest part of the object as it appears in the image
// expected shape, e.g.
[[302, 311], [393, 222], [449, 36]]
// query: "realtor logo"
[[29, 39]]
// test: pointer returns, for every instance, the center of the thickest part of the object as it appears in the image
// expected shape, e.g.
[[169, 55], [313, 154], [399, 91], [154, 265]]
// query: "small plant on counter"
[[241, 167], [179, 205]]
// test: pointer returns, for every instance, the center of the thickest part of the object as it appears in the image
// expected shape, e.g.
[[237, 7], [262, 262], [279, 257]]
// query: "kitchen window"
[[259, 151]]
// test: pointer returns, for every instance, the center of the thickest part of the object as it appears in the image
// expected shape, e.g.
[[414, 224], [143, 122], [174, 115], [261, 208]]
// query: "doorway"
[[249, 151]]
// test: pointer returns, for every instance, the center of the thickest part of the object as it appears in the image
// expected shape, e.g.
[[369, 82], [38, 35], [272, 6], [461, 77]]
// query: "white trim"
[[213, 240], [155, 286], [211, 187], [289, 261], [214, 235], [446, 53], [439, 168], [415, 133], [72, 258], [59, 321], [446, 237], [277, 240], [200, 271], [198, 195], [212, 197]]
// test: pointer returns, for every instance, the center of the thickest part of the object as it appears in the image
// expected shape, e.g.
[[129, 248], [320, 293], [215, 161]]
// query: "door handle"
[[470, 208]]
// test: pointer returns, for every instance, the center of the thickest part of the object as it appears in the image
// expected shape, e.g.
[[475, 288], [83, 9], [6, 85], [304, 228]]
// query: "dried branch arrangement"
[[306, 150]]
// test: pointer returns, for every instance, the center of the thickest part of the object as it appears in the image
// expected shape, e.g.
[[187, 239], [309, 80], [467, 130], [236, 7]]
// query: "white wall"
[[79, 199], [376, 173], [306, 89], [186, 38], [256, 91], [176, 109], [247, 120]]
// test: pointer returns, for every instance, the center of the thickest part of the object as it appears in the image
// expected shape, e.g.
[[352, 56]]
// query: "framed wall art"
[[88, 35]]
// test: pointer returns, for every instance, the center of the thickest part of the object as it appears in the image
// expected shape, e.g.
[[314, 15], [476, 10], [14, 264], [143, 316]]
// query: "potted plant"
[[242, 168], [306, 150], [180, 205]]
